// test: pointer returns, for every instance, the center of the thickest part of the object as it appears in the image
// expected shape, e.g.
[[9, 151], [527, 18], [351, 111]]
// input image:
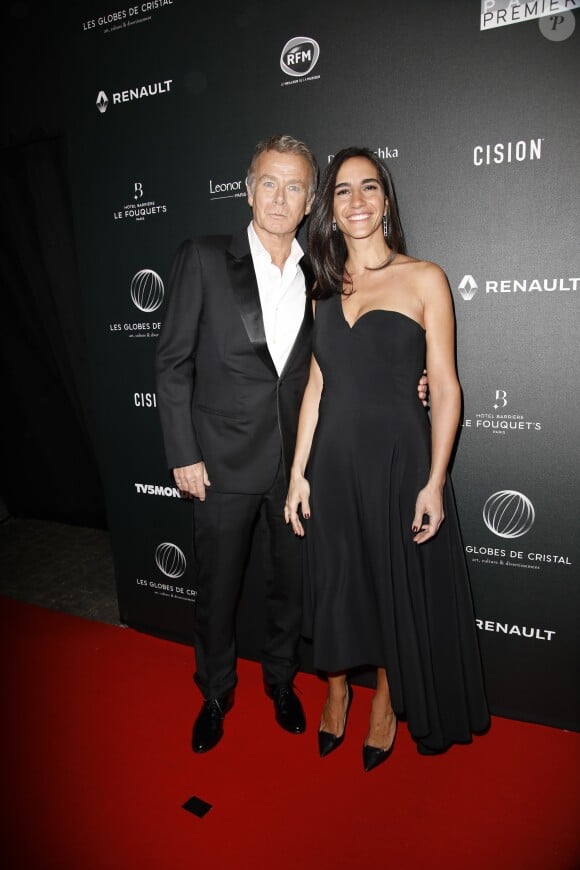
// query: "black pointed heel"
[[373, 756], [328, 742]]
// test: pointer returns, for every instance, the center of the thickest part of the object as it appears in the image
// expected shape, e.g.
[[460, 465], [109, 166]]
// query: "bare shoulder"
[[427, 278], [422, 270]]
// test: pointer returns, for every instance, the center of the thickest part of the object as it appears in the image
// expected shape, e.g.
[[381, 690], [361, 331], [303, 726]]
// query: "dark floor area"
[[62, 567]]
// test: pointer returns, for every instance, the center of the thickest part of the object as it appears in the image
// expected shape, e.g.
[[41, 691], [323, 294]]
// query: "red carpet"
[[97, 765]]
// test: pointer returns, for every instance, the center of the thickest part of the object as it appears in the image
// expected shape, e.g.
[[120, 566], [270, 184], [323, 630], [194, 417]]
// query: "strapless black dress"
[[373, 597]]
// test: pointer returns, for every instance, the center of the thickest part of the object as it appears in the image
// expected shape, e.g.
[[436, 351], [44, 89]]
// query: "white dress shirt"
[[282, 297]]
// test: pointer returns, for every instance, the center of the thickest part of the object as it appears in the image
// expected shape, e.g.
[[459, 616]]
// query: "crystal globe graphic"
[[170, 560], [508, 514], [147, 290]]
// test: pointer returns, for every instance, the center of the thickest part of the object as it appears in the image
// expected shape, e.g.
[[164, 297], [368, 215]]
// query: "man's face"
[[279, 198]]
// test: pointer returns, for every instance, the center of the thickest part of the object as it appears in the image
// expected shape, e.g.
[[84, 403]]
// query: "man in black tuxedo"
[[232, 363]]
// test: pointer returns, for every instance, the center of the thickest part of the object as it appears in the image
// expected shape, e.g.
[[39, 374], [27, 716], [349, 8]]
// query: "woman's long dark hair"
[[326, 247]]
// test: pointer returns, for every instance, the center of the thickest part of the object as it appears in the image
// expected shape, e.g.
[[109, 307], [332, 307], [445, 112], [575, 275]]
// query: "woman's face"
[[359, 199]]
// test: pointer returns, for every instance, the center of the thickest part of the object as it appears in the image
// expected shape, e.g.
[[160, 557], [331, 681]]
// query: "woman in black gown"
[[386, 580]]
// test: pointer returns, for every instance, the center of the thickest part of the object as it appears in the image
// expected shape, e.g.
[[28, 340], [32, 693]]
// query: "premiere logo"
[[508, 514], [147, 290], [557, 28], [499, 13], [170, 560]]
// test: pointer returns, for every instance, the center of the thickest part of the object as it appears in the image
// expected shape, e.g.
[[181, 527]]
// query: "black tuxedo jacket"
[[218, 392]]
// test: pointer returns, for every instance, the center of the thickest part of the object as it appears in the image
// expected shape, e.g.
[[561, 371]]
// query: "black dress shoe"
[[328, 742], [209, 725], [289, 712], [373, 756]]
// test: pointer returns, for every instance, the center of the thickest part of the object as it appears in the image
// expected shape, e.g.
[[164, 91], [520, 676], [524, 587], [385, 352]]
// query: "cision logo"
[[145, 400], [522, 151], [500, 417], [526, 286], [298, 59], [135, 93], [141, 207]]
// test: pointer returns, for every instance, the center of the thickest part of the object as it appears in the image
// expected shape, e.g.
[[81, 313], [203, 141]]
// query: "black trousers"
[[223, 527]]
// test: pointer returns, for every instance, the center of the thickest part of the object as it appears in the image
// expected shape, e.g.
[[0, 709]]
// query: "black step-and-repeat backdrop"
[[474, 108]]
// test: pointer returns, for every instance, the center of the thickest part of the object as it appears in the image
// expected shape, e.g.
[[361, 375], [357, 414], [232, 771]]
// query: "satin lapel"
[[303, 335], [306, 326], [245, 289]]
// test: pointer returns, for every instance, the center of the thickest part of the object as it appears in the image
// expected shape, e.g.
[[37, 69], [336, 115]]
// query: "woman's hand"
[[430, 503], [298, 495], [423, 389]]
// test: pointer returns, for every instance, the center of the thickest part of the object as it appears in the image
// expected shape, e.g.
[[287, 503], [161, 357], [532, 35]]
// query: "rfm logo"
[[299, 56]]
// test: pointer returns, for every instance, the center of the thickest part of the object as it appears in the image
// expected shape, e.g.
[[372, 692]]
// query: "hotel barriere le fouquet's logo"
[[499, 412], [139, 205]]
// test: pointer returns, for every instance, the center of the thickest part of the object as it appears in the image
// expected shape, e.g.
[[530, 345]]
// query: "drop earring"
[[385, 225], [333, 225]]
